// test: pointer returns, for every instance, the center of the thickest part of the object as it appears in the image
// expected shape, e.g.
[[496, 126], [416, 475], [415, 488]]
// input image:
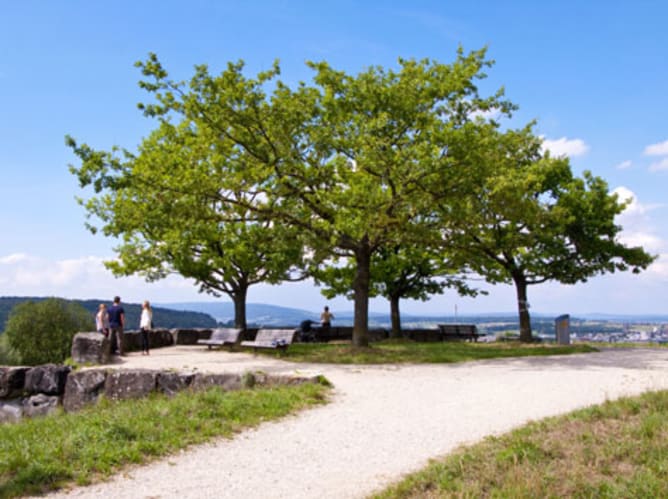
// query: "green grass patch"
[[42, 454], [617, 449], [402, 351]]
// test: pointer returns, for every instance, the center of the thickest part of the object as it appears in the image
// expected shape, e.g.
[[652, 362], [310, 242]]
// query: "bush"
[[8, 357], [41, 332]]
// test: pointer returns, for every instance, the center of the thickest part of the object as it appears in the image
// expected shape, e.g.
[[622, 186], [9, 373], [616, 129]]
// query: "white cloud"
[[565, 147], [13, 258], [659, 165], [638, 228], [86, 277], [660, 149], [624, 165]]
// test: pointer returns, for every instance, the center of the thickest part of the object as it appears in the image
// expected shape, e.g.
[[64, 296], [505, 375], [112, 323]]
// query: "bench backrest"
[[286, 336], [230, 335], [458, 328]]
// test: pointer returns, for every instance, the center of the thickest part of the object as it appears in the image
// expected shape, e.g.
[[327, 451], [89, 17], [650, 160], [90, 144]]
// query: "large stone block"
[[172, 382], [83, 388], [129, 384], [12, 381], [40, 405], [48, 378], [90, 348], [226, 381]]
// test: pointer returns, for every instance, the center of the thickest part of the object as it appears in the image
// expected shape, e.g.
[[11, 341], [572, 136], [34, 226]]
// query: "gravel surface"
[[383, 421]]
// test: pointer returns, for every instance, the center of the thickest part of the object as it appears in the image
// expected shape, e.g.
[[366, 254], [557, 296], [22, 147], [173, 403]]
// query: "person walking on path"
[[116, 324], [102, 320], [145, 324]]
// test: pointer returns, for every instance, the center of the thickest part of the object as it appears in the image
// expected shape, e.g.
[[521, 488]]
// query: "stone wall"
[[40, 390]]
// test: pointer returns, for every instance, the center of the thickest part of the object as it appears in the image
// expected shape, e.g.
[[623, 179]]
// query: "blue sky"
[[593, 74]]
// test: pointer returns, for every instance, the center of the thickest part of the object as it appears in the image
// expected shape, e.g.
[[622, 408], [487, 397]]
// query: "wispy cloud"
[[659, 149], [624, 165], [565, 147], [658, 166]]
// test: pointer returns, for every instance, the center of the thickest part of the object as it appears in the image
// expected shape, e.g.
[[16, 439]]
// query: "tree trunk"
[[239, 299], [361, 289], [395, 316], [523, 308]]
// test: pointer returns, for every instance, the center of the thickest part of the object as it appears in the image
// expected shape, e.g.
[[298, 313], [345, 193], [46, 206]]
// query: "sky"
[[593, 75]]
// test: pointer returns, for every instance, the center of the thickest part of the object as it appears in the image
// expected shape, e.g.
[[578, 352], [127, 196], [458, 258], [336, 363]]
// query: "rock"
[[40, 405], [12, 381], [90, 348], [226, 381], [172, 382], [11, 411], [129, 384], [48, 378], [83, 388]]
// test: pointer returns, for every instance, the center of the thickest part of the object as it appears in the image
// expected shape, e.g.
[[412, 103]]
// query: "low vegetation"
[[90, 445], [617, 449], [402, 351]]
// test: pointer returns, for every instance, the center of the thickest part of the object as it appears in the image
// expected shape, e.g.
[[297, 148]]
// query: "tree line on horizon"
[[391, 182], [164, 317]]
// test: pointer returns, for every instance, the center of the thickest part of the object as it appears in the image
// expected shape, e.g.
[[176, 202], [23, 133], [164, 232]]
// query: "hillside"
[[162, 317]]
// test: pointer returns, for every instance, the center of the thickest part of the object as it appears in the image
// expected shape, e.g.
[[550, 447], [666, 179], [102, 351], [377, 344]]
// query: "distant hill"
[[257, 314], [162, 317]]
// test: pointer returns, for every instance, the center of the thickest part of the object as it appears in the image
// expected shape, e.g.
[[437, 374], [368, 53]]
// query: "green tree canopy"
[[42, 332], [164, 205], [343, 161], [532, 220]]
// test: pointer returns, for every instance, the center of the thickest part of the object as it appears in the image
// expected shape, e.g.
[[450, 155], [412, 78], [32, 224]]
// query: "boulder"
[[11, 411], [172, 382], [12, 381], [129, 384], [226, 381], [40, 405], [90, 348], [48, 378], [82, 388]]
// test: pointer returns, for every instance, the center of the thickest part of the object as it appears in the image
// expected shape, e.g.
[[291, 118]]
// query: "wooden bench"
[[278, 339], [222, 337], [459, 332]]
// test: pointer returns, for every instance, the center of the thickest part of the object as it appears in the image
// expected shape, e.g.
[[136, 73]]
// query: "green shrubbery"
[[41, 332]]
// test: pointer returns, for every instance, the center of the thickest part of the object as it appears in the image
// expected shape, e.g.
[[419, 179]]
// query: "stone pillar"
[[562, 329]]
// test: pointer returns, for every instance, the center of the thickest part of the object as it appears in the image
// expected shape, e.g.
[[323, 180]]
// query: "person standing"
[[117, 323], [326, 318], [102, 320], [145, 324]]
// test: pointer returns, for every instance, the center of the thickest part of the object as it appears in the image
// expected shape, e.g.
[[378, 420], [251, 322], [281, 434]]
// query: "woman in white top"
[[102, 320], [145, 324]]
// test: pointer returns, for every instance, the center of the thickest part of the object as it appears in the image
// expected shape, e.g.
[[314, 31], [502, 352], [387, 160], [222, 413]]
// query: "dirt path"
[[384, 421]]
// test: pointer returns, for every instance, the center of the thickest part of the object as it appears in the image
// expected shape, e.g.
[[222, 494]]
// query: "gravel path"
[[384, 421]]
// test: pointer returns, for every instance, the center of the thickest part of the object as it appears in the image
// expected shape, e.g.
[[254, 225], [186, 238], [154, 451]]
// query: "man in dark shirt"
[[116, 323]]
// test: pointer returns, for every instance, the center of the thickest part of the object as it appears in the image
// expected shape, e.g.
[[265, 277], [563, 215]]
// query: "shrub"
[[8, 357], [41, 332]]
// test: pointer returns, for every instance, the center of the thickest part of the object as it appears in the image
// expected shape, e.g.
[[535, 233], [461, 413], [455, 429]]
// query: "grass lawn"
[[41, 454], [403, 351], [617, 449]]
